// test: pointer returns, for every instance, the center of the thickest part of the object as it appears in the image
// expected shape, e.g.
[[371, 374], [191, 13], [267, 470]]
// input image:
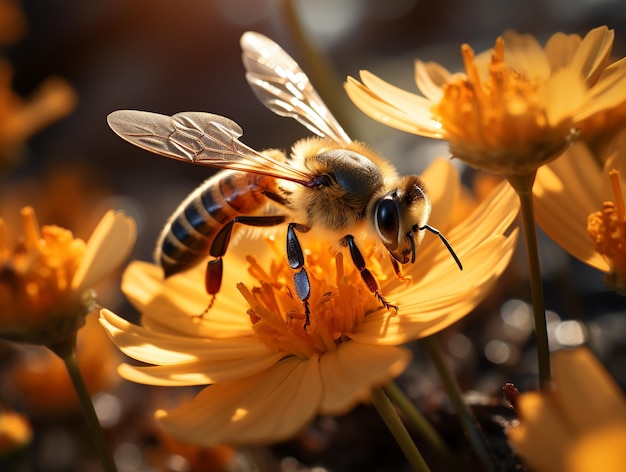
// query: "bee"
[[329, 184]]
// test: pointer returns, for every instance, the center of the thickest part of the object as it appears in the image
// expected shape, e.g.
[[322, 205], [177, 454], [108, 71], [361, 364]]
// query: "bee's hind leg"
[[215, 267], [366, 275]]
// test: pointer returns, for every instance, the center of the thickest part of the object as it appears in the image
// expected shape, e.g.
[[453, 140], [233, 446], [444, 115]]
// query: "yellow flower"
[[269, 374], [577, 204], [515, 107], [578, 427], [15, 432], [46, 280]]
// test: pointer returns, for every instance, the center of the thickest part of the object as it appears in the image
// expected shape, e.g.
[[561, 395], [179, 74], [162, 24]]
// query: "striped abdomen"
[[190, 232]]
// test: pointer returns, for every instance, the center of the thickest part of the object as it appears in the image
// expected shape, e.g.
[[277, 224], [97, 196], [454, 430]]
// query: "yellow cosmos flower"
[[15, 432], [578, 203], [578, 427], [46, 279], [269, 374], [514, 108]]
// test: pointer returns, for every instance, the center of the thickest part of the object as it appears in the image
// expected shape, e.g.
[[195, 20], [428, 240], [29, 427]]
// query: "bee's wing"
[[281, 85], [201, 138]]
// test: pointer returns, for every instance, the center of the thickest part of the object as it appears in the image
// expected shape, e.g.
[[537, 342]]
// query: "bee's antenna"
[[444, 240]]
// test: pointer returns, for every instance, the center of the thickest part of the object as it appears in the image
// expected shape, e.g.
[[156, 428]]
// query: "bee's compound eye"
[[387, 220]]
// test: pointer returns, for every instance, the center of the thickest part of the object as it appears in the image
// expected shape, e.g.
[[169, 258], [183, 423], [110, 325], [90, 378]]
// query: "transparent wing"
[[281, 85], [201, 138]]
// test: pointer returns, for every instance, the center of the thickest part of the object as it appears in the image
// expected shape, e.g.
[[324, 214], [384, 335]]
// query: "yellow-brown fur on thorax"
[[335, 208]]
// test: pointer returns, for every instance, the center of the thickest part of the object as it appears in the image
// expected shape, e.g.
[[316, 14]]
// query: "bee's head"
[[400, 216]]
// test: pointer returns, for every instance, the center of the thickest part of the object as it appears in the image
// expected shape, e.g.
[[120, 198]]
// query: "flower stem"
[[398, 430], [88, 410], [471, 426], [425, 429], [320, 70], [523, 185]]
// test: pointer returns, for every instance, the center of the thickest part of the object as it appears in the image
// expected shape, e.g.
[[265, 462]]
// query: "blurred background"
[[66, 64]]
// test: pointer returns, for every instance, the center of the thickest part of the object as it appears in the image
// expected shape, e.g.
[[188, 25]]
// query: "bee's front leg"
[[398, 270], [295, 256], [366, 275]]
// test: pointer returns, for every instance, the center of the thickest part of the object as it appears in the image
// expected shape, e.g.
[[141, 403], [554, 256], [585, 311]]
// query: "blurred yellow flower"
[[577, 204], [47, 277], [15, 432], [515, 108], [580, 426], [269, 374]]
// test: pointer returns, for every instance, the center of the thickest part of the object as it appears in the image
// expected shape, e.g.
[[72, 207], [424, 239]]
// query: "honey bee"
[[329, 184]]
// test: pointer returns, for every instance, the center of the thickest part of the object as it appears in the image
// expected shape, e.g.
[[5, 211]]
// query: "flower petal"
[[581, 379], [442, 297], [350, 372], [411, 103], [563, 95], [502, 207], [593, 53], [374, 106], [444, 187], [430, 77], [563, 215], [109, 245], [560, 50], [202, 372], [153, 347], [267, 407], [523, 53], [174, 305], [542, 429]]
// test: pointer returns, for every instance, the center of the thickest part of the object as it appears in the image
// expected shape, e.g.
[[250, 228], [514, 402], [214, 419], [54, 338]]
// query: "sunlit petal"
[[257, 409], [515, 106], [579, 426], [579, 389], [353, 369], [200, 372]]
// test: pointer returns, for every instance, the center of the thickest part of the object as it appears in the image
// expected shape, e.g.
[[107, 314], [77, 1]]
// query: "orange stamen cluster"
[[500, 116], [339, 301], [36, 275], [607, 228]]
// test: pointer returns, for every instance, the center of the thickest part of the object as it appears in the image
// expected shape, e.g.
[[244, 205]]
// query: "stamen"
[[32, 235], [498, 49], [467, 53], [256, 270], [607, 229], [617, 191], [338, 302]]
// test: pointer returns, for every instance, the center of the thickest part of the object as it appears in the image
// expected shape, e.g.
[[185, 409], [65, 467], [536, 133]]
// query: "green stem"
[[398, 430], [423, 426], [523, 185], [471, 426], [90, 414]]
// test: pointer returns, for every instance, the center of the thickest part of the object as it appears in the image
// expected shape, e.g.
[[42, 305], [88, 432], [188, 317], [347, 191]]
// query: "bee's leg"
[[398, 270], [214, 268], [295, 256], [366, 275]]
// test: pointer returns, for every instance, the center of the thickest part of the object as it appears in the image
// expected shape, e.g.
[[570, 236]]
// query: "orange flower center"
[[339, 301], [498, 121], [36, 275], [505, 103], [607, 228]]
